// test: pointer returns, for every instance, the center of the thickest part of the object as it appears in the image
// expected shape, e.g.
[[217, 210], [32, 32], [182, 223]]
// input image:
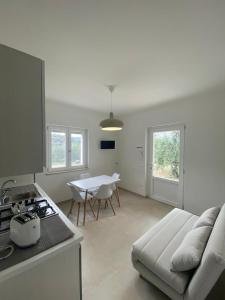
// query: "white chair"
[[116, 176], [104, 193], [80, 197], [85, 175]]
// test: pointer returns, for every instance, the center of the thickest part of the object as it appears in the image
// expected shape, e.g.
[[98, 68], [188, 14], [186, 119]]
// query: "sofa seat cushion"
[[156, 247]]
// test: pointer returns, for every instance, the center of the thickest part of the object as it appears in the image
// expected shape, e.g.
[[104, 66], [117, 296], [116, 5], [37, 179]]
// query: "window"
[[67, 148], [58, 149], [166, 154]]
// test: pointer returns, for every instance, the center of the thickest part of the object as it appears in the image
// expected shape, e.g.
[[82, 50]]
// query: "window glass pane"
[[58, 149], [166, 154], [76, 149]]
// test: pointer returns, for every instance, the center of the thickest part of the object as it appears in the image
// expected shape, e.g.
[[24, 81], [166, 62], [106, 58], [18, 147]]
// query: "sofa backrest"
[[212, 263]]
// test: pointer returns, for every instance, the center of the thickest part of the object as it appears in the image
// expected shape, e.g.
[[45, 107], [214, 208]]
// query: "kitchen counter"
[[38, 264]]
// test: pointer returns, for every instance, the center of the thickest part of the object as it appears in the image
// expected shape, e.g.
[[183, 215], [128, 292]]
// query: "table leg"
[[78, 213], [85, 204]]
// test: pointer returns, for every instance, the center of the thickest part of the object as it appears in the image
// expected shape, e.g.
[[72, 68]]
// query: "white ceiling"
[[155, 50]]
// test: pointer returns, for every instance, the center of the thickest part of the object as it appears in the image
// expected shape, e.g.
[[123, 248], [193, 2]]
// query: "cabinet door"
[[22, 141]]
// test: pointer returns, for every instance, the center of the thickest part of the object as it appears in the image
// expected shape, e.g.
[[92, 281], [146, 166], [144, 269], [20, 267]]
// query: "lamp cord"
[[111, 89], [111, 101]]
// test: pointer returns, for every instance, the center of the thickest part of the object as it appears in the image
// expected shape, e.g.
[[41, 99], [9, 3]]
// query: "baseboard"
[[164, 200], [124, 189], [156, 198]]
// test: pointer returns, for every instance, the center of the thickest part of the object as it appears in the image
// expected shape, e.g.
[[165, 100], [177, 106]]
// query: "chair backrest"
[[85, 175], [116, 176], [212, 263], [104, 192], [76, 194]]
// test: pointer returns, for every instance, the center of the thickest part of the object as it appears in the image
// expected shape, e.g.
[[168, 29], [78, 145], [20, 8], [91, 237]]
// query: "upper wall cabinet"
[[22, 117]]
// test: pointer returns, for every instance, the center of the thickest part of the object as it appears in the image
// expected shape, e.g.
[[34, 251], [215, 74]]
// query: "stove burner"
[[39, 206]]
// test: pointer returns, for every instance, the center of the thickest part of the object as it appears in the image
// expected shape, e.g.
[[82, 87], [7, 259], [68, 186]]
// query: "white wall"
[[100, 161], [204, 158], [204, 116]]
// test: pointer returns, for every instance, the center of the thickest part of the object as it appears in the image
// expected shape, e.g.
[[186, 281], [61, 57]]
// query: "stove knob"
[[26, 202]]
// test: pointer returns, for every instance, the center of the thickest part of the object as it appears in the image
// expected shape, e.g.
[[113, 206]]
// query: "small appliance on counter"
[[25, 229]]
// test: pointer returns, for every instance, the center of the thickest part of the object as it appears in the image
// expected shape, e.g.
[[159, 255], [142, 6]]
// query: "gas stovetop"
[[39, 206]]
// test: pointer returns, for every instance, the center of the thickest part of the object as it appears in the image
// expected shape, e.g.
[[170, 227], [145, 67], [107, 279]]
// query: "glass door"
[[166, 164]]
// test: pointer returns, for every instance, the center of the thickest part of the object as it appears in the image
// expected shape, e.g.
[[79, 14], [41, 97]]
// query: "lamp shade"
[[111, 124]]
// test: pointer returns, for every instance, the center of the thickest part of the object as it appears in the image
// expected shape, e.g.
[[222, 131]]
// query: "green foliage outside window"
[[58, 147], [166, 154], [76, 144]]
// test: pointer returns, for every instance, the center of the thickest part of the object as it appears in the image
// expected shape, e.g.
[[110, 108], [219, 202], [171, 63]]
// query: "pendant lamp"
[[111, 124]]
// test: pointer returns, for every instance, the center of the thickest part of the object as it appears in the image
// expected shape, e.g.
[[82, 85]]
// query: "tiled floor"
[[107, 269]]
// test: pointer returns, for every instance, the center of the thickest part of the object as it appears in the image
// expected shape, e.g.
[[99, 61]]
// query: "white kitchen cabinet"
[[57, 277], [22, 116]]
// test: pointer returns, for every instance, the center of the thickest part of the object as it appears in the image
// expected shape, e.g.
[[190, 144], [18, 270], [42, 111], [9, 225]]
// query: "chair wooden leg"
[[99, 205], [78, 213], [110, 202], [94, 203], [71, 208], [106, 203], [117, 195], [91, 208]]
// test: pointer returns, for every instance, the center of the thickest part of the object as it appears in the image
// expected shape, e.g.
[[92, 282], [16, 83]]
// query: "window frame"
[[68, 131]]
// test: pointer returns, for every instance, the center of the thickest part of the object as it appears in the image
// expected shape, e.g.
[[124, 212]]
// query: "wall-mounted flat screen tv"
[[107, 145]]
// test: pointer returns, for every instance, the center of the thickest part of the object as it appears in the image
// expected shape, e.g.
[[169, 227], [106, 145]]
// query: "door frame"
[[149, 157]]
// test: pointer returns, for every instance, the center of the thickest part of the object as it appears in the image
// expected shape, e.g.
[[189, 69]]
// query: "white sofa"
[[151, 256]]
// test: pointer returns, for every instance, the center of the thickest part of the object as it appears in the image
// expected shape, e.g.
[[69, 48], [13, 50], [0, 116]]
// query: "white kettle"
[[25, 229]]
